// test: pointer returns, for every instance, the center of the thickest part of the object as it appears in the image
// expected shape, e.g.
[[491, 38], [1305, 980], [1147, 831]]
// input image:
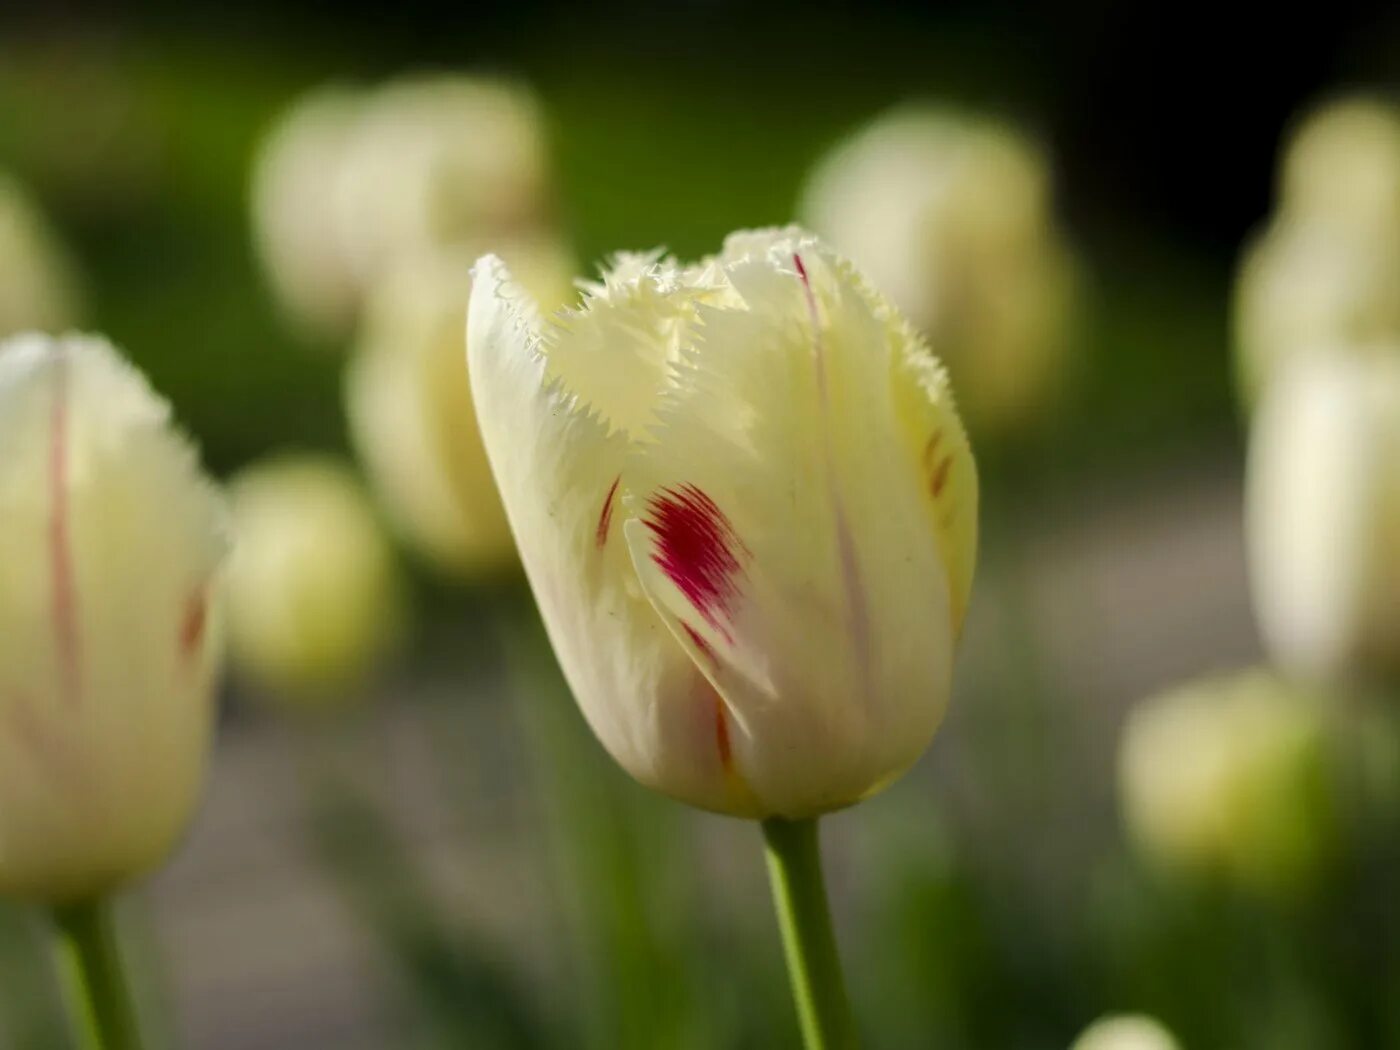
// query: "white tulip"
[[294, 214], [313, 590], [410, 404], [1126, 1032], [748, 511], [1323, 515], [1341, 167], [109, 560], [1227, 777], [950, 215]]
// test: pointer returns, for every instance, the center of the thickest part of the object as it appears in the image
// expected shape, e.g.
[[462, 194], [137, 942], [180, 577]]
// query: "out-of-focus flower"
[[1305, 288], [1321, 277], [37, 285], [1229, 776], [411, 410], [294, 211], [951, 216], [350, 182], [1126, 1032], [1341, 167], [314, 594], [748, 510], [109, 558], [439, 160], [1323, 515]]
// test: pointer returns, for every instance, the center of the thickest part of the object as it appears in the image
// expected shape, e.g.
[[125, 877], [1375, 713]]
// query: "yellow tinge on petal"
[[109, 622], [755, 431]]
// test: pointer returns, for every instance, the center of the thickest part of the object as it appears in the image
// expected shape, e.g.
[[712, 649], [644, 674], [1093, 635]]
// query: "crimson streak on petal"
[[698, 549]]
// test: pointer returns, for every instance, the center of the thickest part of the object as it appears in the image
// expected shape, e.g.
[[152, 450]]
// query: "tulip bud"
[[411, 411], [748, 511], [109, 559], [313, 591], [1323, 516], [37, 287], [1126, 1032], [436, 161], [951, 217], [1229, 777], [1342, 167], [294, 214], [348, 182]]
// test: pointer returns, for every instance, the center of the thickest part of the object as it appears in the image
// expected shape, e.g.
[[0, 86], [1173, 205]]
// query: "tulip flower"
[[748, 510], [109, 566], [1126, 1032], [1341, 166], [294, 213], [411, 412], [37, 285], [1323, 516], [350, 181], [313, 591], [1229, 778], [951, 216]]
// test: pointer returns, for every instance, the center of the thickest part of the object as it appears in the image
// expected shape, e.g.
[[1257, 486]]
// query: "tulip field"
[[698, 527]]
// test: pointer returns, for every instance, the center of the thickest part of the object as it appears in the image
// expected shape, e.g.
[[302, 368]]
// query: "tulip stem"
[[799, 896], [99, 997]]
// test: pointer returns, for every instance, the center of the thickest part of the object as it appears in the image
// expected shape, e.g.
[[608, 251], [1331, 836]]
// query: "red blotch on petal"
[[940, 477], [696, 546]]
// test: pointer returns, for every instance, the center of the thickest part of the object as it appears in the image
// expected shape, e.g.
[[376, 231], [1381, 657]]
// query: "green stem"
[[95, 982], [799, 895]]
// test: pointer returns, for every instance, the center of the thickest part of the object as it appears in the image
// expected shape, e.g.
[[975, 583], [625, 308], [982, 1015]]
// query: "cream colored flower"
[[295, 216], [748, 511], [1228, 776], [37, 285], [109, 559], [314, 594], [1323, 515], [349, 182], [411, 410], [1341, 167], [437, 161], [950, 215], [1126, 1032]]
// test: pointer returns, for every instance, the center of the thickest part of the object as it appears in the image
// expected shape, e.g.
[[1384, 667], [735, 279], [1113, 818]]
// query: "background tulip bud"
[[1323, 516], [37, 286], [411, 410], [1342, 166], [748, 511], [1126, 1032], [294, 214], [1229, 777], [109, 555], [950, 215], [314, 598]]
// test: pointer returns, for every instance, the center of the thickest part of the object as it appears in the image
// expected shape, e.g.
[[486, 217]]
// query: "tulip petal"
[[555, 427], [786, 541]]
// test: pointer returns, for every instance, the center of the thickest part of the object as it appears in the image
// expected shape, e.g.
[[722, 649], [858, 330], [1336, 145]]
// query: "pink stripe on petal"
[[62, 583]]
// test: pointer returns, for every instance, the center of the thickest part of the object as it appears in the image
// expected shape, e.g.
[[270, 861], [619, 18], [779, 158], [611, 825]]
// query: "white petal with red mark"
[[108, 563]]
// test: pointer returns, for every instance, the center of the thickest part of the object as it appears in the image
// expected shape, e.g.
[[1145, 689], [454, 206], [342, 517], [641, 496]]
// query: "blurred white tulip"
[[1341, 166], [410, 403], [950, 215], [1126, 1032], [38, 289], [314, 596], [294, 213], [1323, 515], [109, 625], [350, 182], [1229, 776]]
